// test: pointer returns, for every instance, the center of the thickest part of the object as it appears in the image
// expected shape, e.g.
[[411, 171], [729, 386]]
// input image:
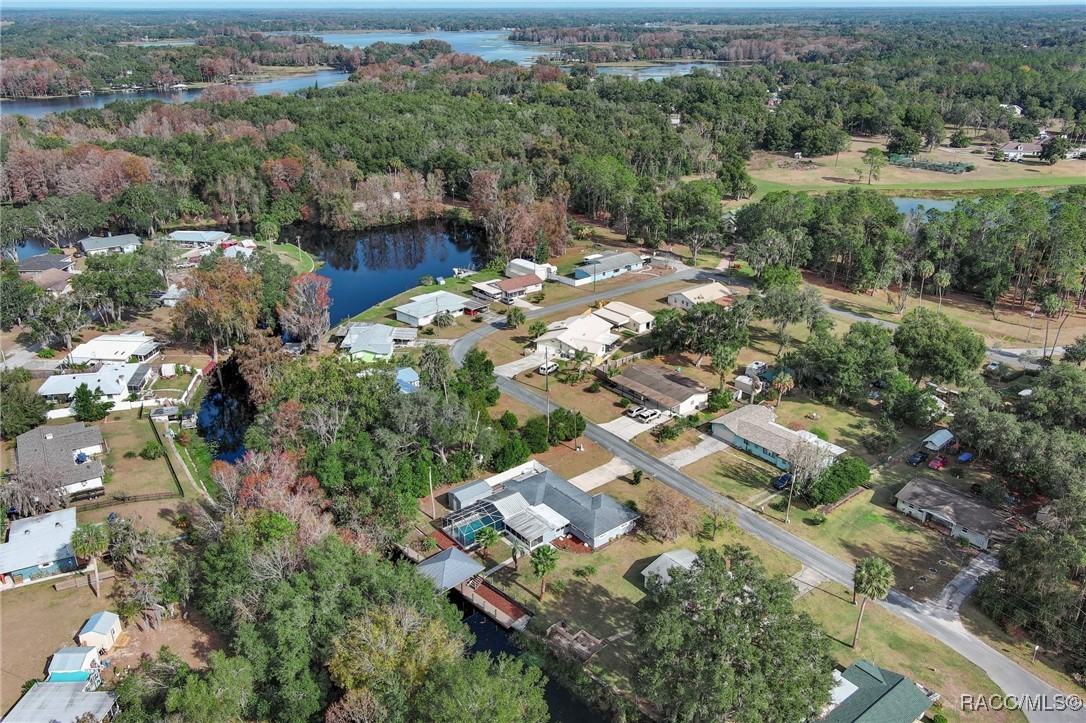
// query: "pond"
[[657, 72], [908, 205]]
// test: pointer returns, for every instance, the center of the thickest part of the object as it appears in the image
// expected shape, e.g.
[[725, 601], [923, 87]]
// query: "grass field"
[[901, 647], [293, 256]]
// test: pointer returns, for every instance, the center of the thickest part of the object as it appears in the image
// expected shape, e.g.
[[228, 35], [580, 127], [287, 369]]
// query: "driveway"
[[963, 584], [626, 429], [701, 450], [603, 474], [510, 370]]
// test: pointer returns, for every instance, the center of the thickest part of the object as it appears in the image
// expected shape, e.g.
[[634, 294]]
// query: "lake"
[[489, 45], [908, 205], [657, 72]]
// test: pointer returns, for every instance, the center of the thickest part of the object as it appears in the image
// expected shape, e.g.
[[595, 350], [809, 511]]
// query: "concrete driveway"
[[532, 361], [626, 429]]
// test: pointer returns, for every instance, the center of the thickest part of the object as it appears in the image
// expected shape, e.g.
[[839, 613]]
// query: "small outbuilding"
[[662, 566], [74, 664], [938, 440], [449, 568], [100, 631]]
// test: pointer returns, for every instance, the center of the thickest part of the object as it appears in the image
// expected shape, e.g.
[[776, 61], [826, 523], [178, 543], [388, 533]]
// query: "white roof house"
[[423, 309], [524, 267], [62, 703], [38, 543], [588, 333], [712, 292], [627, 316], [237, 251], [662, 566], [124, 243], [375, 341], [115, 382], [115, 348], [199, 238], [938, 439]]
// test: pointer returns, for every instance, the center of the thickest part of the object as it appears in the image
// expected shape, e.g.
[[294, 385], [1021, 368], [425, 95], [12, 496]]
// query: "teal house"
[[38, 547]]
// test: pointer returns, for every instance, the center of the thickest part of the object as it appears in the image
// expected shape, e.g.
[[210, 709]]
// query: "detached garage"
[[100, 631]]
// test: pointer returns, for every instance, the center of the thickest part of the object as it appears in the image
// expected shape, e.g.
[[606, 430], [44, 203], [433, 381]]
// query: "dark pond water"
[[908, 205], [565, 706], [226, 412], [369, 266]]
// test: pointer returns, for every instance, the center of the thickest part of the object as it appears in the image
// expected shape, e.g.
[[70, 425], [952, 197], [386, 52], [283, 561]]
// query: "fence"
[[169, 462], [123, 499], [610, 364]]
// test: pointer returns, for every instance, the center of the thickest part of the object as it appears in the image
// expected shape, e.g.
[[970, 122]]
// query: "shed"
[[937, 440], [169, 371], [164, 414], [662, 566], [73, 663], [468, 494], [100, 631], [449, 568]]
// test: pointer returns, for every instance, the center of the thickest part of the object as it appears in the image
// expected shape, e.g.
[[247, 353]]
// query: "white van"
[[548, 368]]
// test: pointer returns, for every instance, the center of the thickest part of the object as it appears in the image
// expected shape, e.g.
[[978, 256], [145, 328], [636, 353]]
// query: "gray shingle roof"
[[969, 512], [97, 243], [660, 386], [591, 516], [44, 262], [450, 568], [49, 451]]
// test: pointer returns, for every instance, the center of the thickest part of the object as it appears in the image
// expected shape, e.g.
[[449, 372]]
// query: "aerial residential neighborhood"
[[536, 364]]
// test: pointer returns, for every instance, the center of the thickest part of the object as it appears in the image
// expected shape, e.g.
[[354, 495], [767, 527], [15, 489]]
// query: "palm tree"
[[941, 279], [537, 329], [544, 561], [486, 538], [88, 542], [1051, 306], [515, 317], [519, 551], [873, 579], [783, 383], [581, 360], [444, 320], [926, 270], [723, 362]]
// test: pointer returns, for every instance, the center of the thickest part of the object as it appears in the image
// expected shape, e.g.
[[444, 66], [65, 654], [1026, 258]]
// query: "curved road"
[[945, 626]]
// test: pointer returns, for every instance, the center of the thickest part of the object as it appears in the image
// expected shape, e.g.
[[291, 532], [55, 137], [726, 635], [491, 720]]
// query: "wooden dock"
[[492, 603]]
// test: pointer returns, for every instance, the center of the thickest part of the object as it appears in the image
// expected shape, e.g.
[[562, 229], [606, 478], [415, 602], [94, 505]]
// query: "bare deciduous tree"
[[669, 514], [32, 493]]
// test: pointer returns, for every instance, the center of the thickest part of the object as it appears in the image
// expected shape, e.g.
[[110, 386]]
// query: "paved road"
[[944, 625]]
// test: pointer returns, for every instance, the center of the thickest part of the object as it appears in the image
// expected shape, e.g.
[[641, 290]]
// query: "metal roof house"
[[72, 664], [662, 566], [114, 382], [608, 265], [116, 348], [423, 309], [449, 568], [38, 547], [199, 238], [753, 428], [537, 508], [866, 693], [956, 513], [62, 703], [371, 342], [660, 388], [713, 292], [64, 454], [100, 631], [125, 243], [521, 267]]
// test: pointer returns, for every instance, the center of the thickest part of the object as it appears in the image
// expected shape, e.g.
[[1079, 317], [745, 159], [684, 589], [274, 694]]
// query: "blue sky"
[[511, 5]]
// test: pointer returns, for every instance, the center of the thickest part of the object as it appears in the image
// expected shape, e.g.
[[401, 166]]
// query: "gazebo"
[[449, 568]]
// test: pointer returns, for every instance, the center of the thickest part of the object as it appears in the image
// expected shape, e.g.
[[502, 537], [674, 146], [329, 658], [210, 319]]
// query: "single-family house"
[[423, 309], [373, 342], [38, 547], [100, 631], [449, 568], [113, 382], [55, 282], [125, 243], [408, 380], [41, 263], [712, 293], [938, 440], [536, 507], [52, 702], [522, 267], [64, 454], [608, 265], [753, 428], [865, 693], [662, 566], [120, 348], [173, 295], [626, 316], [1013, 108], [237, 251], [199, 238], [75, 664], [955, 513], [1016, 150], [587, 333], [518, 286], [660, 388]]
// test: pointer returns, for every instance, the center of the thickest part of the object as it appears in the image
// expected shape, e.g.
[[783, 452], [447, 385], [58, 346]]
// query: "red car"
[[938, 463]]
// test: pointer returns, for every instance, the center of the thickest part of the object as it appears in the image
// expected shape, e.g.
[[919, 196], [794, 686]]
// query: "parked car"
[[917, 459], [648, 415], [965, 458], [634, 411], [938, 463], [783, 481], [547, 368]]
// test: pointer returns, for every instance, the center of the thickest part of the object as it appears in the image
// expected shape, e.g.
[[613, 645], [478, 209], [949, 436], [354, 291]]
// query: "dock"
[[494, 604]]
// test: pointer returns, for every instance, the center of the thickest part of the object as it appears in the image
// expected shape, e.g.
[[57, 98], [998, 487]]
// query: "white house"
[[373, 342], [100, 631], [523, 267], [955, 513], [662, 566], [65, 454], [1014, 109], [113, 382], [199, 238], [626, 316], [660, 388], [713, 292], [1016, 150], [588, 333], [753, 428], [423, 309], [115, 348], [126, 243]]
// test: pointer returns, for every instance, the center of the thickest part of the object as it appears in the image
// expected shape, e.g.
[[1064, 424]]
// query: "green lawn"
[[125, 433], [291, 255], [948, 187], [903, 648]]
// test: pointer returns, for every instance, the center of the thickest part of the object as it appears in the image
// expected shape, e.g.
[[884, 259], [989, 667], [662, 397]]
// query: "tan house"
[[713, 292]]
